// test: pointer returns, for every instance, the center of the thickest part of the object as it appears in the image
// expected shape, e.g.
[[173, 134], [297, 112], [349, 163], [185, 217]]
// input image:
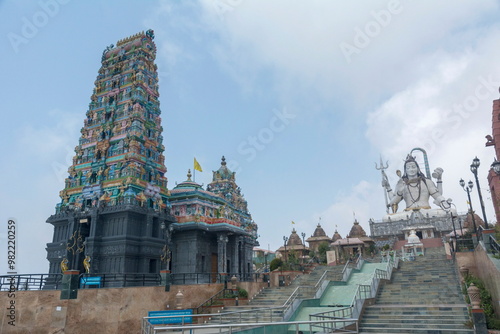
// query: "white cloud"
[[300, 41], [364, 201]]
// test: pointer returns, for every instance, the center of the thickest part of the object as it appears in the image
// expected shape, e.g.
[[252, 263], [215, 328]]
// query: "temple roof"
[[187, 185], [223, 173], [357, 231], [142, 40], [468, 221], [319, 232], [294, 239], [336, 236], [318, 235], [293, 243], [347, 242]]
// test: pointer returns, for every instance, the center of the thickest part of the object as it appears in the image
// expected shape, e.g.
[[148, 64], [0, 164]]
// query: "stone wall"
[[113, 310], [487, 269]]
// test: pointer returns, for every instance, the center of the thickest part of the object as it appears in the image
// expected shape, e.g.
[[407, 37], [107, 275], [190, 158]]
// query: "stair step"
[[423, 296], [385, 330]]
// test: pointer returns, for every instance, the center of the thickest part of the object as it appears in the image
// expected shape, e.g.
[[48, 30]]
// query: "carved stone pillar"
[[222, 252], [236, 256]]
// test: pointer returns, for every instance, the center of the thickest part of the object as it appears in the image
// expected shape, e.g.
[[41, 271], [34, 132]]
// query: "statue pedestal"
[[69, 286], [479, 319], [165, 279], [426, 213]]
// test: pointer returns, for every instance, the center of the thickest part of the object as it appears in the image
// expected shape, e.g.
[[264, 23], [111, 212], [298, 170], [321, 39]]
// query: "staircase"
[[276, 297], [423, 297]]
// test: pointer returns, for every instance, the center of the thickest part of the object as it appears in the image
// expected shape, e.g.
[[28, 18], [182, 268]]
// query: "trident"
[[384, 177]]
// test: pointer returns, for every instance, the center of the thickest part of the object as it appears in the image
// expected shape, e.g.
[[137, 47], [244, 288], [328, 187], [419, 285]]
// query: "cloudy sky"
[[301, 97]]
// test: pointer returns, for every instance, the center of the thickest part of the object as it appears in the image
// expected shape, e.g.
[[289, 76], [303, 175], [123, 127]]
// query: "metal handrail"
[[346, 266], [288, 303], [209, 302], [330, 324], [255, 314], [125, 279], [494, 244], [346, 275], [320, 281], [359, 262], [30, 282]]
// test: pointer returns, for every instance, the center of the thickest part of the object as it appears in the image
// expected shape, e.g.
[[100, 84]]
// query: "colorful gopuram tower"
[[114, 213]]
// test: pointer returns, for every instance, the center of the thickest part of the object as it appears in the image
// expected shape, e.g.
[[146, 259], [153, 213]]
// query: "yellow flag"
[[293, 223], [197, 166]]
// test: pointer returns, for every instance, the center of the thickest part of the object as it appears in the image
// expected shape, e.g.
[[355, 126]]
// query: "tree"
[[275, 264], [322, 249]]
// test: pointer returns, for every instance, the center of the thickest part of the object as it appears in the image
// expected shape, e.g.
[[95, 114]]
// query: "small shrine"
[[293, 247], [319, 236], [412, 248]]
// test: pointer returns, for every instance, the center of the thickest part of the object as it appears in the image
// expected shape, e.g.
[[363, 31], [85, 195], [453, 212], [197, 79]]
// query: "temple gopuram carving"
[[116, 211]]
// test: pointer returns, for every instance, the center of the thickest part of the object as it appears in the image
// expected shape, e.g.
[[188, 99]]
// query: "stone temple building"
[[213, 232], [116, 216], [294, 247], [319, 236]]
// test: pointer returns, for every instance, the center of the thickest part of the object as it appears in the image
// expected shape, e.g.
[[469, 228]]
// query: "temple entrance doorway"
[[419, 234]]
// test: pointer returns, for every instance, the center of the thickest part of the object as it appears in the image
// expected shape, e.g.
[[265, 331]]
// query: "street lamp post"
[[460, 224], [453, 248], [285, 240], [303, 246], [468, 189], [473, 167]]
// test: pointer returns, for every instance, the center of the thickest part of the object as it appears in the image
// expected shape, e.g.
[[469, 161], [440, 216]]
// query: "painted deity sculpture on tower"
[[416, 189]]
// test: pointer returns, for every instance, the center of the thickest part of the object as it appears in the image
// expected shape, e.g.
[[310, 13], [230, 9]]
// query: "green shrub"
[[242, 293], [275, 264], [486, 303]]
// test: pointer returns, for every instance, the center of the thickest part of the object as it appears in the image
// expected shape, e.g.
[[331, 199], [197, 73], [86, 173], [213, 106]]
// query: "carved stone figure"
[[86, 264], [415, 189], [64, 265]]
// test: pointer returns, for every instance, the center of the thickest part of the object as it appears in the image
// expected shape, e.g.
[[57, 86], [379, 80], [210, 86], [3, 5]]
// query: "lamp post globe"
[[468, 189], [474, 168], [496, 166]]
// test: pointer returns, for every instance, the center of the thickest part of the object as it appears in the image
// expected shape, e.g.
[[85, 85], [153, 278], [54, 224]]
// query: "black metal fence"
[[465, 245], [114, 280], [206, 278], [30, 282]]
